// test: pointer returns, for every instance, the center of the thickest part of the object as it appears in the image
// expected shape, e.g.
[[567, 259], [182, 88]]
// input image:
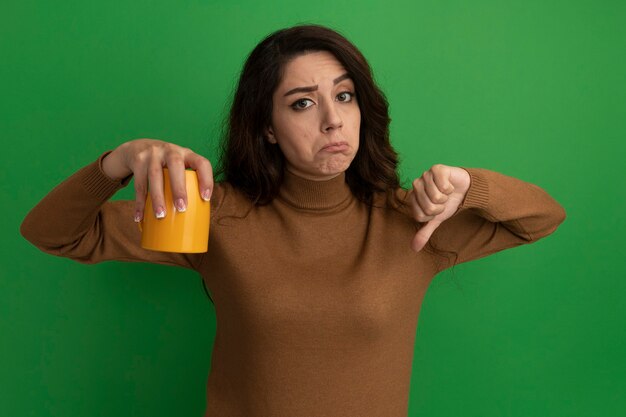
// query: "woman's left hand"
[[435, 197]]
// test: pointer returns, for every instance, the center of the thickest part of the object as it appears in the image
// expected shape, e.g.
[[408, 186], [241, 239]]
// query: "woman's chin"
[[318, 174], [332, 170], [327, 170]]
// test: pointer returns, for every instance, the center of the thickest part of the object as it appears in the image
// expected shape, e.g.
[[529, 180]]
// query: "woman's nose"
[[331, 117]]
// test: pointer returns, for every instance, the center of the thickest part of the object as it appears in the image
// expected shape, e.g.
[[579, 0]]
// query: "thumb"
[[423, 235]]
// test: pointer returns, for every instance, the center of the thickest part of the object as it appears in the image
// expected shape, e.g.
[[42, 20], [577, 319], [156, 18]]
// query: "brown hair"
[[255, 167]]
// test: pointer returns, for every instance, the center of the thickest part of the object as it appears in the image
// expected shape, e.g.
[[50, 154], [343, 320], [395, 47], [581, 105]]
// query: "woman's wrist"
[[113, 166]]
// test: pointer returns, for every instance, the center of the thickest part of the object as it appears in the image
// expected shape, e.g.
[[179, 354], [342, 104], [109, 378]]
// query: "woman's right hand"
[[145, 159]]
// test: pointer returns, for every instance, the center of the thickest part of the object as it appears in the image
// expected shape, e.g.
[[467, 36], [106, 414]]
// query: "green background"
[[532, 89]]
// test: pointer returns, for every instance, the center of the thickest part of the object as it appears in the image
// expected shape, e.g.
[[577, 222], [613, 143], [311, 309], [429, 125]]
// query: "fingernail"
[[180, 205], [137, 216], [160, 213], [206, 195]]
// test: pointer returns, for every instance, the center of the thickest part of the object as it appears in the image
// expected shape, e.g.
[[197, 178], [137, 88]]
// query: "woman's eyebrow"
[[314, 87]]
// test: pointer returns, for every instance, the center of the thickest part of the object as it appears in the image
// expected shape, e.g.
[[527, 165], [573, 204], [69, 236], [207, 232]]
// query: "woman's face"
[[315, 117]]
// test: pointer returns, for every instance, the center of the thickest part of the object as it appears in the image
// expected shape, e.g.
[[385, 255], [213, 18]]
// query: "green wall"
[[532, 89]]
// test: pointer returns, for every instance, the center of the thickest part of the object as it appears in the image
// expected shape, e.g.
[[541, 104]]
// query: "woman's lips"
[[336, 147]]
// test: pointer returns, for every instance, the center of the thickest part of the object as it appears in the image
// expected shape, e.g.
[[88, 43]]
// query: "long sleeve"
[[498, 212], [76, 220]]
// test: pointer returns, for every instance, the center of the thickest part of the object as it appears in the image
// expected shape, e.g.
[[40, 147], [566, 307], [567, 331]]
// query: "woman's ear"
[[269, 135]]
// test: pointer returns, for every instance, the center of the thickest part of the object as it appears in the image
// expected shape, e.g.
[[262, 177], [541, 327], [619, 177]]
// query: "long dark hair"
[[255, 167]]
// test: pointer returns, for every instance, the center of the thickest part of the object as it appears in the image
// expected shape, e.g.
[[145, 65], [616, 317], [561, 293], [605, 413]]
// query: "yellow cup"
[[186, 232]]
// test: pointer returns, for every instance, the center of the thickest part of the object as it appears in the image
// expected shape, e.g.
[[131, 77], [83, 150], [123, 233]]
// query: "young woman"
[[318, 260]]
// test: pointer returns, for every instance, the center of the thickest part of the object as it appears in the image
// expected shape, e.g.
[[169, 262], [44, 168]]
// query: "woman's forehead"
[[311, 68]]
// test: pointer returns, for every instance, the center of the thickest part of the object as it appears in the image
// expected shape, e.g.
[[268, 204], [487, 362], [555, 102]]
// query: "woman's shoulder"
[[395, 199], [229, 200]]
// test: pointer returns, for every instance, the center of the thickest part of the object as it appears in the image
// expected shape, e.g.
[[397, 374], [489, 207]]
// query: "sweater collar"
[[307, 194]]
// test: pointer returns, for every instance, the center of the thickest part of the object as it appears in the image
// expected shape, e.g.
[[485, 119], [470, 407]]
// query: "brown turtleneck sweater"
[[316, 295]]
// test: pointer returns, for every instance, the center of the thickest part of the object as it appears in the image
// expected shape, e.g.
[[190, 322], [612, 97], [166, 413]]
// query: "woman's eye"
[[344, 94], [300, 104]]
